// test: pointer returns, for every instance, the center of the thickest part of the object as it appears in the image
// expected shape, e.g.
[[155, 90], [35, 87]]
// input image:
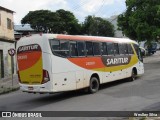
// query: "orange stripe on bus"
[[88, 63], [85, 38]]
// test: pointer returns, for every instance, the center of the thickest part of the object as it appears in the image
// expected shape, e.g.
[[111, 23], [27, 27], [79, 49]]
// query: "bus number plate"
[[30, 88]]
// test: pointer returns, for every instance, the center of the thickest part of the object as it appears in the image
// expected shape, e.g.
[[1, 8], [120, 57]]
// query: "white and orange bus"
[[49, 63]]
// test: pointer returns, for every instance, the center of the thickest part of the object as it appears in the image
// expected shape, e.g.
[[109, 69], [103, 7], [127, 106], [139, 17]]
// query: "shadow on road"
[[57, 97], [153, 107], [26, 101]]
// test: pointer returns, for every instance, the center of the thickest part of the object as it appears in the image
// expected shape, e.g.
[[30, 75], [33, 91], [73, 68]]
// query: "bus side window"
[[138, 52], [104, 49], [130, 50], [55, 46], [89, 49], [136, 47], [110, 48], [123, 49], [73, 49], [64, 48], [81, 48], [116, 49], [96, 48]]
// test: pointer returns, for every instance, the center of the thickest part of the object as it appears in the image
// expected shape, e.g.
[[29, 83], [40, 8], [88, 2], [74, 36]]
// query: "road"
[[141, 94]]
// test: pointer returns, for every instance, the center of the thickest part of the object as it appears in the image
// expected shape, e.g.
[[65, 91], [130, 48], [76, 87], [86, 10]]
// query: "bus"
[[50, 63]]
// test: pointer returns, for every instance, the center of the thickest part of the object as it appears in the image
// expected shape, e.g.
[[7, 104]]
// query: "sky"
[[80, 8]]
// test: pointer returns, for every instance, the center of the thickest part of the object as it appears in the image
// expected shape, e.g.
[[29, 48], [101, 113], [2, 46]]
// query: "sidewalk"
[[6, 84]]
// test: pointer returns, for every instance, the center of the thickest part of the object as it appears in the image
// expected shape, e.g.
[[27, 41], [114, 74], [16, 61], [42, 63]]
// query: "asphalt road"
[[141, 94]]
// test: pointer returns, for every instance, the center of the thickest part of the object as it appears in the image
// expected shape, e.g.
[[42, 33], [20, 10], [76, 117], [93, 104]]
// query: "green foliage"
[[98, 27], [40, 20], [52, 22], [64, 21], [141, 20]]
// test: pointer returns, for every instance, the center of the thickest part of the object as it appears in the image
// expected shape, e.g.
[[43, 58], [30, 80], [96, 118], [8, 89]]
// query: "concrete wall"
[[6, 42], [4, 31], [5, 46]]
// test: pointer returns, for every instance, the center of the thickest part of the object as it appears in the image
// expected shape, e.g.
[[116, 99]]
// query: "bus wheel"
[[94, 85], [133, 75]]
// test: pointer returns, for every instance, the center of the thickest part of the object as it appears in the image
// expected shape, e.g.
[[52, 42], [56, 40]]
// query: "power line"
[[103, 2], [79, 5]]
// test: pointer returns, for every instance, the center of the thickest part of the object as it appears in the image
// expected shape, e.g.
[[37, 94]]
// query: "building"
[[22, 30], [6, 42], [113, 20]]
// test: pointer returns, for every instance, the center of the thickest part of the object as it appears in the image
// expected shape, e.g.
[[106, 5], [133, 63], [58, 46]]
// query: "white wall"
[[5, 46]]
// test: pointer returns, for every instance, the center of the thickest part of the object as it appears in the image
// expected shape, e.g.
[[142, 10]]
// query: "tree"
[[52, 22], [41, 20], [97, 26], [141, 20], [68, 22]]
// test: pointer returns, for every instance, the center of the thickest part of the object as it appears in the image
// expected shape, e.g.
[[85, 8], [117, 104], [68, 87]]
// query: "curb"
[[5, 90]]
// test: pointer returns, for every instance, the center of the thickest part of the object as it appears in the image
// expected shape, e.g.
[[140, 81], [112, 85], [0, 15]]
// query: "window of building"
[[89, 49], [96, 48], [73, 48], [81, 48], [110, 48], [9, 23]]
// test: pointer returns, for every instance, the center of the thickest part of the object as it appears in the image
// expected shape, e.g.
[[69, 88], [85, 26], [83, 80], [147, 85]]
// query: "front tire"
[[94, 85]]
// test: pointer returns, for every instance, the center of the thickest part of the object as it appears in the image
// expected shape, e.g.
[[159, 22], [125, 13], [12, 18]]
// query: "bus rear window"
[[60, 47]]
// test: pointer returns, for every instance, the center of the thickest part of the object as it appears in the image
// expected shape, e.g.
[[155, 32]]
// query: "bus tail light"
[[45, 77], [19, 79]]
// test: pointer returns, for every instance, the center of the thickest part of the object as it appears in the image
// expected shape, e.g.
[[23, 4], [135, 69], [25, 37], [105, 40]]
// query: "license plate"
[[30, 88]]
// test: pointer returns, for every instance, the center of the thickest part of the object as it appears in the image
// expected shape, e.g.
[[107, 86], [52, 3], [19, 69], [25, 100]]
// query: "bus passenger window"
[[64, 48], [116, 49], [130, 50], [60, 47], [136, 47], [96, 48], [81, 48], [73, 49], [104, 49], [55, 45], [123, 48], [110, 48], [89, 49]]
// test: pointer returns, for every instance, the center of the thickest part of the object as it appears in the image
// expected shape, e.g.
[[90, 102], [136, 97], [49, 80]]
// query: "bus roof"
[[90, 38], [87, 38]]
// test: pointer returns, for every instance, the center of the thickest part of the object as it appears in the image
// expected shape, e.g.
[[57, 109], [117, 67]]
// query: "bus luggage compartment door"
[[64, 81], [79, 79]]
